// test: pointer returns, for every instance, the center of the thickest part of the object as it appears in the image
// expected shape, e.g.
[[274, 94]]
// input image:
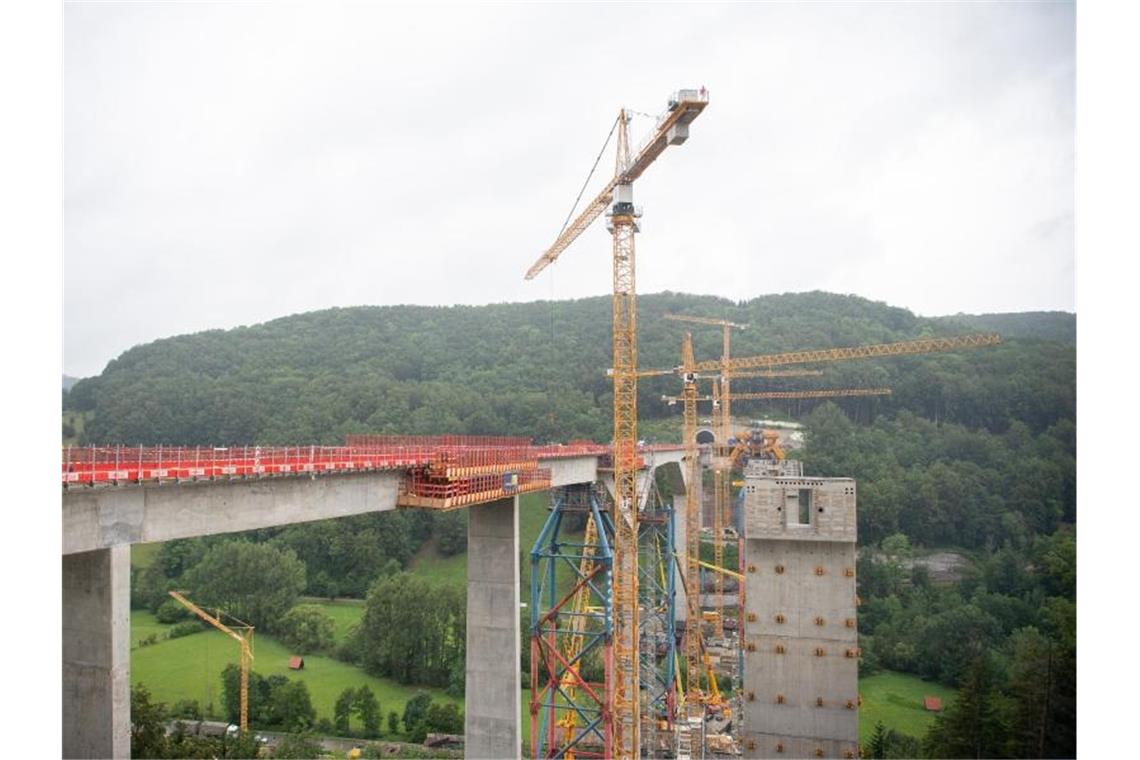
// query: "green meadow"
[[190, 667], [896, 699]]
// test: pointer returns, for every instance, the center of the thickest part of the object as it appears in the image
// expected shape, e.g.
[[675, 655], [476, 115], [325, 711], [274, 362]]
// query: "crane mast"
[[626, 676], [722, 478], [692, 526]]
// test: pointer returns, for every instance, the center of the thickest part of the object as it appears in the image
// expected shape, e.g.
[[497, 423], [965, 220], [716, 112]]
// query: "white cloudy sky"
[[226, 164]]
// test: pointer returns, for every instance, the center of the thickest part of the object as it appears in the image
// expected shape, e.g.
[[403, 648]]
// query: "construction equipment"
[[902, 348], [569, 713], [623, 691], [722, 460], [689, 371], [244, 640], [770, 446], [722, 486], [716, 398], [692, 576], [777, 373]]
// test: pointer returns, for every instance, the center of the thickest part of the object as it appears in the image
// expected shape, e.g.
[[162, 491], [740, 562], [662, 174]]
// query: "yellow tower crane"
[[722, 476], [672, 129], [244, 640], [693, 697], [901, 348], [763, 395], [689, 371]]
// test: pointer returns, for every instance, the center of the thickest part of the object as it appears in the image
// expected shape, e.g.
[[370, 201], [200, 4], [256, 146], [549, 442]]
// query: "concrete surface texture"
[[492, 694], [801, 664], [96, 653], [96, 518]]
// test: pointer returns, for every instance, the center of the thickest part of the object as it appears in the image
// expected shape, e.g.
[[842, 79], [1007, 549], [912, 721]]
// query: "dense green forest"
[[536, 369], [974, 454], [1005, 634]]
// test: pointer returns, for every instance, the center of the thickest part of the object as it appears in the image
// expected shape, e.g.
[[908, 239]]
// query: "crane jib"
[[672, 129]]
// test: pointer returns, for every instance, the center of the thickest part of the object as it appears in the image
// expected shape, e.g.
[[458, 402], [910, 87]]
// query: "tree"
[[427, 644], [877, 747], [445, 719], [305, 628], [187, 708], [368, 710], [292, 707], [298, 747], [342, 710], [899, 746], [171, 611], [451, 532], [259, 692], [148, 728], [415, 711], [897, 546], [243, 746], [973, 726], [393, 723], [1042, 672], [256, 583]]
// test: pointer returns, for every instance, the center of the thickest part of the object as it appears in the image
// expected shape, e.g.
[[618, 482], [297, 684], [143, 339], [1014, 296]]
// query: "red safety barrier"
[[447, 457]]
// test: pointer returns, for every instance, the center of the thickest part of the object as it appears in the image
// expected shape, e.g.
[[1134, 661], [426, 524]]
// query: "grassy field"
[[190, 667], [345, 613], [453, 570], [896, 699], [448, 571]]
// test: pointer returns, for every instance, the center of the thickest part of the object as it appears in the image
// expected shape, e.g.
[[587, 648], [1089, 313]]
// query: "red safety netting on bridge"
[[118, 465], [442, 472]]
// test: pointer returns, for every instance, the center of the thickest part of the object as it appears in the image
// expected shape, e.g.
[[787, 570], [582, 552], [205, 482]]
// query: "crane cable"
[[586, 184], [569, 216]]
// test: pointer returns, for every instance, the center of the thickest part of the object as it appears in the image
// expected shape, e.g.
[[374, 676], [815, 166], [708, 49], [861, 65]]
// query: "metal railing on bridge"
[[441, 472]]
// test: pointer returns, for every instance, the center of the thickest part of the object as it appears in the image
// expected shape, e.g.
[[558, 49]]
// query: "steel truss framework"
[[572, 630], [571, 624]]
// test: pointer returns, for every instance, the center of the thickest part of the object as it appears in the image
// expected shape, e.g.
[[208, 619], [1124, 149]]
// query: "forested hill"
[[539, 369], [1060, 326]]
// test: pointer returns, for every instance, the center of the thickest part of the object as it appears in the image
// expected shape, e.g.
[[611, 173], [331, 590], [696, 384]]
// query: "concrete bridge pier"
[[97, 653], [680, 539], [492, 703]]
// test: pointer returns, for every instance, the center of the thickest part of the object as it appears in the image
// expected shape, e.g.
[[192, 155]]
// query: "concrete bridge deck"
[[100, 524]]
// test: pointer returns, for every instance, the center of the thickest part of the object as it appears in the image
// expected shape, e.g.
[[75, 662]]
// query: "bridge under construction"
[[622, 665]]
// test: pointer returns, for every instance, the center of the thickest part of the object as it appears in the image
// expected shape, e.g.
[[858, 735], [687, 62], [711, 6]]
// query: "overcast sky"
[[226, 164]]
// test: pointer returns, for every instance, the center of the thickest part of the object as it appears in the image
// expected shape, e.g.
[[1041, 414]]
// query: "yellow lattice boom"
[[672, 129], [244, 640], [902, 348]]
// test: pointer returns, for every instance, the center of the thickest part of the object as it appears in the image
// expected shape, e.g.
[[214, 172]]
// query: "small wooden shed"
[[296, 663], [933, 704]]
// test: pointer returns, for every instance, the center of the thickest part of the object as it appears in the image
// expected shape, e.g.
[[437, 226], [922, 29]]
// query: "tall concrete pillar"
[[680, 544], [96, 653], [492, 722]]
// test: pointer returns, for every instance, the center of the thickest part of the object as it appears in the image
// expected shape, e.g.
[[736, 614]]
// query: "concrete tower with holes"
[[801, 675]]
